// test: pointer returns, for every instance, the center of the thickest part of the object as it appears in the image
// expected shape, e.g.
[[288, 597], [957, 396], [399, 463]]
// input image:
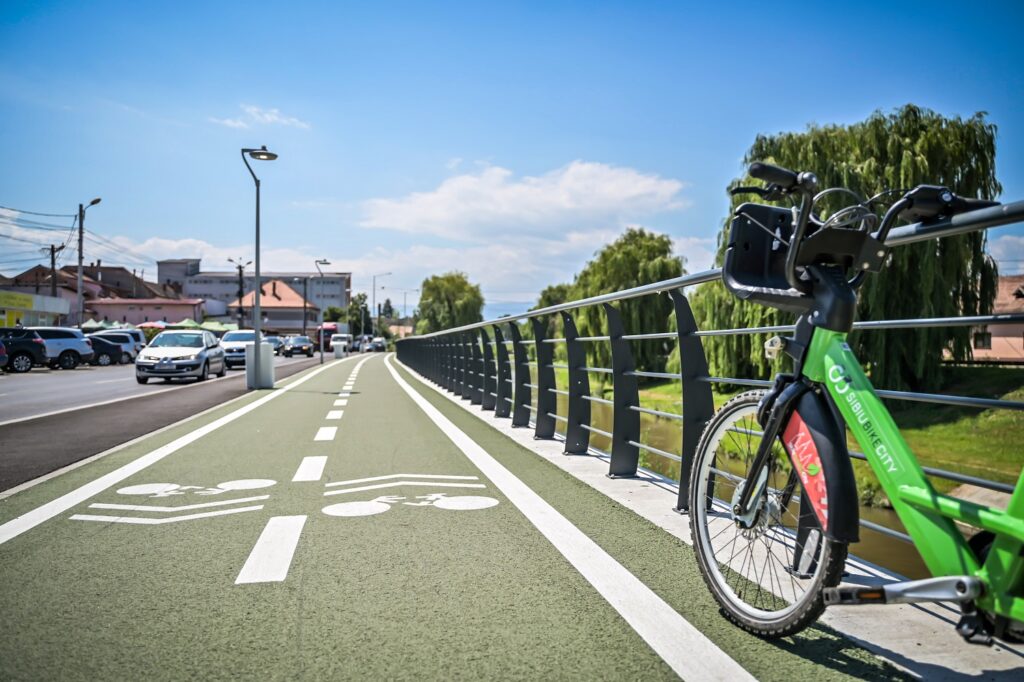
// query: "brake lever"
[[769, 193], [759, 191]]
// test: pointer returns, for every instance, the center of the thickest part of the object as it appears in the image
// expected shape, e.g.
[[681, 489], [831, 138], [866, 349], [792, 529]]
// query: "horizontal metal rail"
[[650, 448], [594, 429], [554, 340], [593, 338], [656, 413], [595, 399], [653, 375], [559, 391], [654, 335], [559, 418], [599, 370]]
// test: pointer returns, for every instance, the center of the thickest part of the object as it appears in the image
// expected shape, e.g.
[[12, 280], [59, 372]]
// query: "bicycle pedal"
[[852, 596]]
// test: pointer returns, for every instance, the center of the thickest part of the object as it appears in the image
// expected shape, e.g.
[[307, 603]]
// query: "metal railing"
[[465, 361]]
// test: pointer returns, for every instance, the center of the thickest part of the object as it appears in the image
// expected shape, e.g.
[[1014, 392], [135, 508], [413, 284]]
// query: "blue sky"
[[506, 140]]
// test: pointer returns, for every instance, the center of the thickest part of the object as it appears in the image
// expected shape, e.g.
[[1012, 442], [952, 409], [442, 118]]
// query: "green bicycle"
[[773, 501]]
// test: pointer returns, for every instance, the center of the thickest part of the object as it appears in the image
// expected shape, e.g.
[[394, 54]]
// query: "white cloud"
[[1008, 250], [492, 203], [699, 252], [230, 122], [255, 115]]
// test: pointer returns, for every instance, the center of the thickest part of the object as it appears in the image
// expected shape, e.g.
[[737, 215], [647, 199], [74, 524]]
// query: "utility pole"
[[54, 250], [373, 301], [80, 308], [241, 288], [305, 295]]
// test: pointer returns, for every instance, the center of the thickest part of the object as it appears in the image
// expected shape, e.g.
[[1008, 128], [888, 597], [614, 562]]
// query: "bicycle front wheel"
[[767, 570]]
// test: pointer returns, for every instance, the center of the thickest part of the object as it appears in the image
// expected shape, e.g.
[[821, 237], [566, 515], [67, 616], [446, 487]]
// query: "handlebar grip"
[[775, 175]]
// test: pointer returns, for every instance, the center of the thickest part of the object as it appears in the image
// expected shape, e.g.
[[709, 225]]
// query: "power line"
[[48, 215]]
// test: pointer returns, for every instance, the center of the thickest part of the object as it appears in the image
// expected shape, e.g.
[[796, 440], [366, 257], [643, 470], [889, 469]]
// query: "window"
[[983, 340]]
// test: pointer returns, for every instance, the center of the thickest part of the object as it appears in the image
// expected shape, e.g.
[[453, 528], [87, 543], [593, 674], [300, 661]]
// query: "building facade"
[[333, 289], [283, 309], [139, 310], [1003, 343]]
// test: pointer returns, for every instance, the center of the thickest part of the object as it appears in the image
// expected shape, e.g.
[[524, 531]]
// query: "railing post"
[[502, 406], [487, 363], [446, 363], [465, 374], [476, 369], [577, 438], [698, 403], [547, 399], [521, 401], [625, 422]]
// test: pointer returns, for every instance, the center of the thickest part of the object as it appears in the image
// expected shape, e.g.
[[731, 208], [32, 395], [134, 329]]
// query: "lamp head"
[[323, 261], [94, 201], [261, 154]]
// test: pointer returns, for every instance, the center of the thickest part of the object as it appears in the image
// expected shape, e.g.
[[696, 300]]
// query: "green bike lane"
[[408, 560]]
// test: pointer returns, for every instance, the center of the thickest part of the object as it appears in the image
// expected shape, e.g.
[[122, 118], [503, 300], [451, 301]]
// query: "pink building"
[[1003, 343], [139, 310]]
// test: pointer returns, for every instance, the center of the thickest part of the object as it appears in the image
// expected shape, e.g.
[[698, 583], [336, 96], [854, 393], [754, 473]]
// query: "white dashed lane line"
[[326, 433], [310, 469], [334, 414]]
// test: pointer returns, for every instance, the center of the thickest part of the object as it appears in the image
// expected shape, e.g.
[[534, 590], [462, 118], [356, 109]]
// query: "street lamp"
[[257, 380], [322, 261], [374, 301], [80, 302]]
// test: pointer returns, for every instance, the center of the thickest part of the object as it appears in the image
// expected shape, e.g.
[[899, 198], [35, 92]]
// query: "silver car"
[[129, 347], [135, 334], [65, 347], [180, 353]]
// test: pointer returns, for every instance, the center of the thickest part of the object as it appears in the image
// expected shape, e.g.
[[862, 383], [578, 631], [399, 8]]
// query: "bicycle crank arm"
[[946, 588]]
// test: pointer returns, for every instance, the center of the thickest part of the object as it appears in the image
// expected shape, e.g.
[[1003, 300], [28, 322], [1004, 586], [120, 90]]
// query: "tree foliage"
[[387, 310], [447, 301], [334, 314], [553, 295], [637, 257], [356, 314], [947, 277]]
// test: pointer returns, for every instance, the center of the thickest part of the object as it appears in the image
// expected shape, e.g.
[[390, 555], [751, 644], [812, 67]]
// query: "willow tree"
[[946, 277], [447, 301], [637, 257]]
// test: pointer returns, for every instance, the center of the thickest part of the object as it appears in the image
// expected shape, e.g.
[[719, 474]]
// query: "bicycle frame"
[[927, 515]]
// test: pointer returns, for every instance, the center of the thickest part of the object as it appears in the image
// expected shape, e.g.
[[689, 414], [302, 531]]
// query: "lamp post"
[[80, 302], [260, 154], [322, 261], [374, 302]]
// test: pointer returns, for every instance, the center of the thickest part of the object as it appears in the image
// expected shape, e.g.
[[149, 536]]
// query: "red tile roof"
[[275, 294]]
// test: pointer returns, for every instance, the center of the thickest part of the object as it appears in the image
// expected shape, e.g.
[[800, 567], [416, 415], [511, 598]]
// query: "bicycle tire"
[[772, 613]]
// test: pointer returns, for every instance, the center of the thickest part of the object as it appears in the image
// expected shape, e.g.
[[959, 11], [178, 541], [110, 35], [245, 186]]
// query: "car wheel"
[[223, 369], [204, 374], [141, 380], [309, 354], [104, 360], [125, 359], [20, 363], [69, 359]]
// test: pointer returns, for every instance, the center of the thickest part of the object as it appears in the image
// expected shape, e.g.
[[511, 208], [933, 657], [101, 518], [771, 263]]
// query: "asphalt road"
[[44, 391], [34, 447]]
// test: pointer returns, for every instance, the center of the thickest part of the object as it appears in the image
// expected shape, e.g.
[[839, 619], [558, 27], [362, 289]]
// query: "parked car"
[[25, 349], [181, 353], [105, 351], [125, 341], [137, 335], [66, 348], [343, 340], [276, 341], [297, 344], [3, 354], [234, 344]]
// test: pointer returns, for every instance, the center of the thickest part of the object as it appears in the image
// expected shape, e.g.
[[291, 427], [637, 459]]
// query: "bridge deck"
[[354, 523]]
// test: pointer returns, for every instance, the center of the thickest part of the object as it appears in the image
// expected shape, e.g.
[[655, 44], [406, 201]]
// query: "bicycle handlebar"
[[783, 177]]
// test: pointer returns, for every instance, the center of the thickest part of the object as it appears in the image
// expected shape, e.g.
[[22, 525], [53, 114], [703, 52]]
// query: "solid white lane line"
[[326, 433], [271, 557], [310, 469], [390, 476], [399, 484], [335, 414], [113, 381], [204, 505], [682, 646], [19, 525], [156, 522], [340, 403]]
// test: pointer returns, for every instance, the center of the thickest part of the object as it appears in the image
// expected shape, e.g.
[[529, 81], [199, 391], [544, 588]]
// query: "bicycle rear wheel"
[[767, 572]]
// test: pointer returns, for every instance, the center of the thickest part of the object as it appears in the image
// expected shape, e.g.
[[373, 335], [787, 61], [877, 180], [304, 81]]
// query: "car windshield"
[[240, 336], [300, 339], [166, 339]]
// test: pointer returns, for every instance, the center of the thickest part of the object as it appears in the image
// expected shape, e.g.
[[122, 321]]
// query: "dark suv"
[[25, 348]]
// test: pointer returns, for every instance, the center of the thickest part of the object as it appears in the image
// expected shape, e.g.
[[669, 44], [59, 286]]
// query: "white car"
[[181, 353], [234, 344], [344, 340]]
